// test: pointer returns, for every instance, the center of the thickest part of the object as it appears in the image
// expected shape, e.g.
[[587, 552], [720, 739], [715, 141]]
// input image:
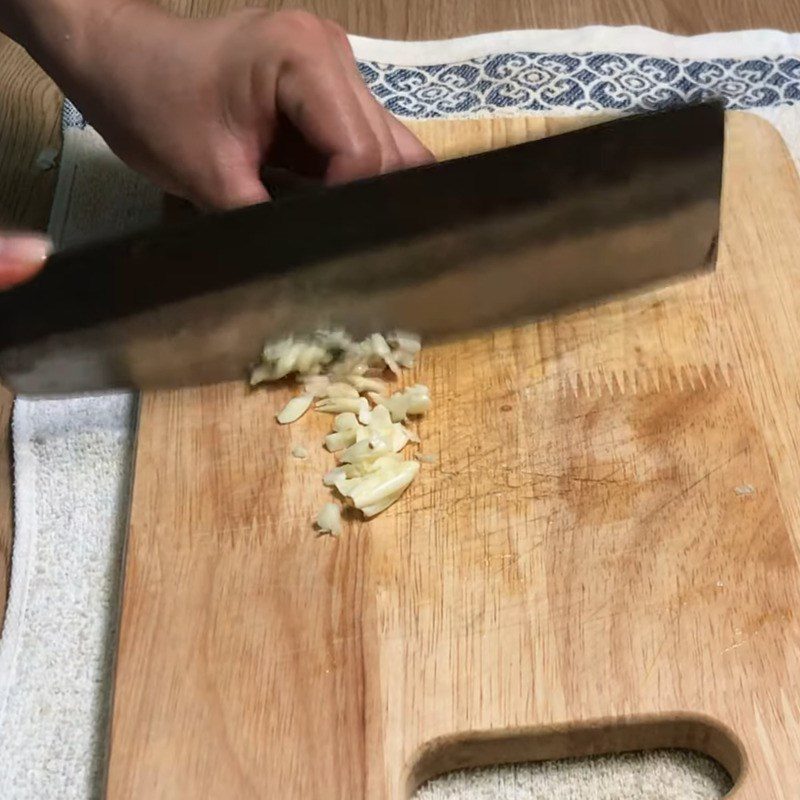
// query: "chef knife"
[[440, 250]]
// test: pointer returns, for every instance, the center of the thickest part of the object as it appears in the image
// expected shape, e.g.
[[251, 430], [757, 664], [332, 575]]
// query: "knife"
[[440, 250]]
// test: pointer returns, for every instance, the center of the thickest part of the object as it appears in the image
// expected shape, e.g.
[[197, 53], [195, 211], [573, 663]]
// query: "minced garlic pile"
[[343, 377]]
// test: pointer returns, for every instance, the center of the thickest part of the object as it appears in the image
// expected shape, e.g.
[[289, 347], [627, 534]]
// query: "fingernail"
[[27, 247]]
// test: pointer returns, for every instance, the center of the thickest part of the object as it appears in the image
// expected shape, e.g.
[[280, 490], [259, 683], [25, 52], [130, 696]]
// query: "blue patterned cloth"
[[541, 82]]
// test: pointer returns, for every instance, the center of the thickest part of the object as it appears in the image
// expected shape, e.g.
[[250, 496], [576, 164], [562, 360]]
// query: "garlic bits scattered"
[[345, 378]]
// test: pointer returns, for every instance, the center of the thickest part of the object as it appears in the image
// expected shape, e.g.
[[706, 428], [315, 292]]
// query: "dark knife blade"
[[439, 250]]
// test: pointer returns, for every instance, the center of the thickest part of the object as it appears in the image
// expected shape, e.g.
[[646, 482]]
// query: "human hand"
[[199, 106], [21, 257]]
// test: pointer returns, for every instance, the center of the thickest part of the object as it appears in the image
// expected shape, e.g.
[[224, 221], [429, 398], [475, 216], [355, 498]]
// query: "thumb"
[[241, 188], [22, 255]]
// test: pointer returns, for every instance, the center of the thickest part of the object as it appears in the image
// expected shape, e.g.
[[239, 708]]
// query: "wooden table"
[[30, 102]]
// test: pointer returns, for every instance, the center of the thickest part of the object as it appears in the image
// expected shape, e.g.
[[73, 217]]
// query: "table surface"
[[30, 101]]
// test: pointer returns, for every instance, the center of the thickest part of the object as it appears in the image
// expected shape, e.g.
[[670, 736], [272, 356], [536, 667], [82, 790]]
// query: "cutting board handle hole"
[[694, 733]]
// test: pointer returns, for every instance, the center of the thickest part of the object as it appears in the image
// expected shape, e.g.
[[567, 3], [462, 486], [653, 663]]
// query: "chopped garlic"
[[380, 417], [339, 405], [400, 437], [363, 432], [316, 385], [294, 409], [260, 374], [380, 348], [345, 422], [425, 458], [336, 474], [368, 433], [298, 451], [381, 505], [377, 399], [346, 485], [419, 399], [329, 519], [342, 390], [365, 450], [339, 440], [367, 384], [363, 411], [333, 353], [412, 401], [375, 488], [405, 347]]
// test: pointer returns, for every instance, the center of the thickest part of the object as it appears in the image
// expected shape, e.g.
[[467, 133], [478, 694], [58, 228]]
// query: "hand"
[[200, 105], [21, 257]]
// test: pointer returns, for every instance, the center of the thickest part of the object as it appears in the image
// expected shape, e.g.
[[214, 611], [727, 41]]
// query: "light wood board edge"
[[679, 730], [117, 610], [692, 732], [6, 499]]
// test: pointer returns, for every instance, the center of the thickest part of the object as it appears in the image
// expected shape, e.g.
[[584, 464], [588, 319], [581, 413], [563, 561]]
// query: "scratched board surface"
[[604, 556]]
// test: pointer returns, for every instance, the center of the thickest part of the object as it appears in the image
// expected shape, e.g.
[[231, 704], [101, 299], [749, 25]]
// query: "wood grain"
[[29, 106], [604, 557], [6, 499], [438, 19], [30, 102]]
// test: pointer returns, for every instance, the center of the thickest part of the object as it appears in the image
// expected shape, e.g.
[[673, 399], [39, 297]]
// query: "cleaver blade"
[[442, 250]]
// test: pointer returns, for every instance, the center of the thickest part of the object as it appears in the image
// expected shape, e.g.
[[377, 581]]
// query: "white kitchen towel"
[[71, 481], [72, 457]]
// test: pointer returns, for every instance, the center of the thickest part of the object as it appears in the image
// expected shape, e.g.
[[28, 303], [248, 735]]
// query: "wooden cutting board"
[[604, 557]]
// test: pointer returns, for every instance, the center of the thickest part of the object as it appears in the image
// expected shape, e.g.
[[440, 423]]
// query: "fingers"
[[326, 100], [401, 149], [242, 188], [317, 97], [21, 257], [374, 114], [412, 152]]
